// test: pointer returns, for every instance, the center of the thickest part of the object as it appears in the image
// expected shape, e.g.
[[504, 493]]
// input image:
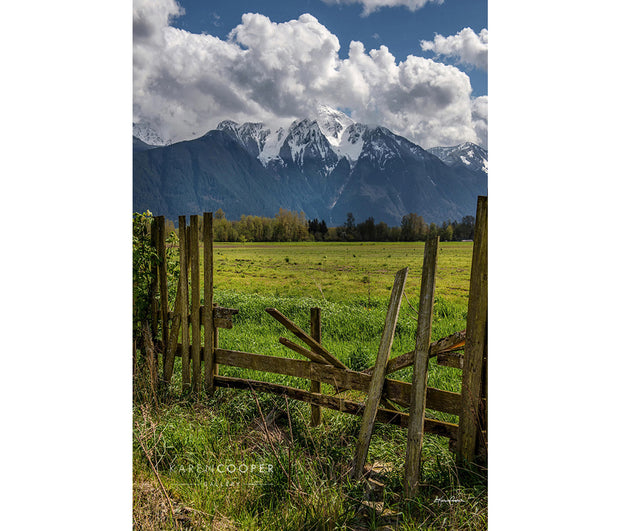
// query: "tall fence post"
[[415, 433], [160, 245], [378, 374], [207, 315], [470, 420], [184, 304], [195, 313], [315, 387]]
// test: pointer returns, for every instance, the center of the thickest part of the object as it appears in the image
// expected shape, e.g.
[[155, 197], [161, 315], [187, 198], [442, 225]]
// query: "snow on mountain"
[[148, 135], [332, 123], [251, 135], [271, 148], [467, 154], [305, 139], [351, 142]]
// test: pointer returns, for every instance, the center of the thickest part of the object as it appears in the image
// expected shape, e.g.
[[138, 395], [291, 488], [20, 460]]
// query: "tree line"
[[292, 226]]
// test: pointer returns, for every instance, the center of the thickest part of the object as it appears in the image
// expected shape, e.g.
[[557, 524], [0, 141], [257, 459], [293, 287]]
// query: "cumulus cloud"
[[184, 83], [371, 6], [466, 46]]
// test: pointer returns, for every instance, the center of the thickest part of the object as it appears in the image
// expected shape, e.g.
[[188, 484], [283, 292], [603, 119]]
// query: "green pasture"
[[338, 272], [309, 486]]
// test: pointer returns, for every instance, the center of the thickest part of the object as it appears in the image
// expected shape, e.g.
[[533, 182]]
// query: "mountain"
[[139, 145], [325, 165], [145, 133], [467, 155]]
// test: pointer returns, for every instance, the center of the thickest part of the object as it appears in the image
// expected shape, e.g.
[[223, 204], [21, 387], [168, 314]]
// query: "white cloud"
[[466, 46], [370, 6], [184, 83]]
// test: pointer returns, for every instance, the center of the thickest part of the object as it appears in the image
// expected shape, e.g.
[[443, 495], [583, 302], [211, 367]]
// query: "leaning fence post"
[[207, 315], [153, 325], [160, 242], [470, 420], [315, 387], [378, 374], [415, 433], [195, 268], [183, 306]]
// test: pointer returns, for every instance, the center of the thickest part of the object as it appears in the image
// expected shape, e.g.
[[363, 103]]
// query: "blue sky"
[[400, 29], [417, 67]]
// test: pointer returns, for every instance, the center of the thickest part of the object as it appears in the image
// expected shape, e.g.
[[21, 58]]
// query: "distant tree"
[[349, 227], [323, 228], [413, 228], [446, 232], [433, 231], [367, 230], [383, 231]]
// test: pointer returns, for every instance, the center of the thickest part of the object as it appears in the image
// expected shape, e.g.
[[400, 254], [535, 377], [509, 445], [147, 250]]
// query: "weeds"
[[241, 460]]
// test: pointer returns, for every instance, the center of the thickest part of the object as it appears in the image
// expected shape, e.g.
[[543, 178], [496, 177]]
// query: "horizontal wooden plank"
[[436, 427], [450, 359], [341, 379], [219, 322], [445, 344]]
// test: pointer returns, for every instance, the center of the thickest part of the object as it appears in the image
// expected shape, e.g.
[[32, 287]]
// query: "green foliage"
[[144, 257], [173, 265], [186, 437]]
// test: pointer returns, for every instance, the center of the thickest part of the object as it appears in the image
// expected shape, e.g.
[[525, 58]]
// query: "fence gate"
[[385, 396]]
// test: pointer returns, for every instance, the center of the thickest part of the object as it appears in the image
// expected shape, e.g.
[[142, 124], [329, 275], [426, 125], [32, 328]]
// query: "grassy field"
[[244, 461]]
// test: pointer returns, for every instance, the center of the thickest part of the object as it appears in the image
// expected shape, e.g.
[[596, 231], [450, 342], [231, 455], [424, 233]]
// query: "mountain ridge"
[[325, 165]]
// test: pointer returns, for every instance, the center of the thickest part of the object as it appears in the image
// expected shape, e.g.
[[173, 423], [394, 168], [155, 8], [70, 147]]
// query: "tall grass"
[[241, 460]]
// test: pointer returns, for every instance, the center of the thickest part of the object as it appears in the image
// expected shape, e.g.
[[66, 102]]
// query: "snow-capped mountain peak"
[[143, 131], [333, 123], [467, 154], [251, 135]]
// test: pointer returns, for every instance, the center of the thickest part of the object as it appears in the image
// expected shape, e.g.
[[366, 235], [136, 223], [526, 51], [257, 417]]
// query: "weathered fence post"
[[207, 315], [195, 313], [470, 421], [153, 325], [183, 307], [415, 433], [378, 374], [315, 387], [160, 244]]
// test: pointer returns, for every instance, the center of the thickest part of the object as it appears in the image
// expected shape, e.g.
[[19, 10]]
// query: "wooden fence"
[[384, 396]]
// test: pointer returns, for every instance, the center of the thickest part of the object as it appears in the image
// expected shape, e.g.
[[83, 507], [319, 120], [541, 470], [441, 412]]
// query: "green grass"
[[303, 483]]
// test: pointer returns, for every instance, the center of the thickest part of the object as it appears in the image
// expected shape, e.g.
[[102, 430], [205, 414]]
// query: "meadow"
[[241, 460]]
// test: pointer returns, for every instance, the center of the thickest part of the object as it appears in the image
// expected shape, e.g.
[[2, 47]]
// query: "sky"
[[418, 67]]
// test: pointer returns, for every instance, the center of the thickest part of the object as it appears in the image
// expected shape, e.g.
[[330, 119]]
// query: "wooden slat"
[[436, 427], [475, 342], [445, 344], [173, 338], [315, 387], [222, 323], [184, 304], [152, 293], [450, 359], [378, 376], [195, 315], [162, 273], [219, 312], [340, 379], [317, 348], [207, 314], [301, 350], [415, 431]]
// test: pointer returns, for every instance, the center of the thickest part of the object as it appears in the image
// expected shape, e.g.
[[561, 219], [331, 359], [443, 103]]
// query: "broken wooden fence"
[[385, 396]]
